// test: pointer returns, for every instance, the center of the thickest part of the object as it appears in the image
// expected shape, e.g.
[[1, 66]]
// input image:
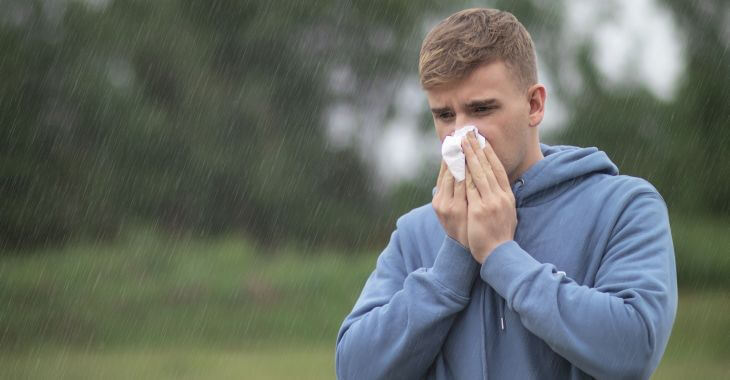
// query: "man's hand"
[[450, 205], [492, 217]]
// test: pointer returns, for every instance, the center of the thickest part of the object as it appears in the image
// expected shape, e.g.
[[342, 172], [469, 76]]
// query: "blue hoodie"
[[587, 288]]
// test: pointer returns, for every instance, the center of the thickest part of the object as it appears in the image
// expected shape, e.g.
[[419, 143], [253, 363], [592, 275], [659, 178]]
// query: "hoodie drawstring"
[[501, 312]]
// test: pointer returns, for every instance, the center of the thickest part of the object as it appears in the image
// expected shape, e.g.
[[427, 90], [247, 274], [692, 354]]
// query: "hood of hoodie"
[[562, 166]]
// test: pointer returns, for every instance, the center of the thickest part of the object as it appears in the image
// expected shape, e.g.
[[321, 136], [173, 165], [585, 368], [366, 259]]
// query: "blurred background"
[[199, 189]]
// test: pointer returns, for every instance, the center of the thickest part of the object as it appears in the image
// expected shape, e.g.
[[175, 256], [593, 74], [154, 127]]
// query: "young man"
[[543, 264]]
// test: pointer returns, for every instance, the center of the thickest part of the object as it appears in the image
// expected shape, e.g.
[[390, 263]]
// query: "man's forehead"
[[462, 96], [489, 81]]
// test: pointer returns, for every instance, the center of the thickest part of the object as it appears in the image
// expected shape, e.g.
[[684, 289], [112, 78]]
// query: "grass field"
[[152, 308], [698, 349], [303, 362]]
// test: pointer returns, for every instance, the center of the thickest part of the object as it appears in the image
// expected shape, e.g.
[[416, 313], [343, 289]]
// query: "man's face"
[[490, 99]]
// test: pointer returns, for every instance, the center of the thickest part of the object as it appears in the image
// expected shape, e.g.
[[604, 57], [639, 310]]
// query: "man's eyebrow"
[[440, 110], [482, 103]]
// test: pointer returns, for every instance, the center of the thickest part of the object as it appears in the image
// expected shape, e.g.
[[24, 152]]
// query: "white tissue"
[[452, 153]]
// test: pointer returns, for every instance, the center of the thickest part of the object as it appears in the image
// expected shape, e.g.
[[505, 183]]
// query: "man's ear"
[[536, 96]]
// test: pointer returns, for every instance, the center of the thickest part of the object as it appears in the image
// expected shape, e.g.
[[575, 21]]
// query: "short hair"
[[461, 43]]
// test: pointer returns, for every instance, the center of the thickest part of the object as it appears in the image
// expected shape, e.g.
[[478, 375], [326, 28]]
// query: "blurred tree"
[[199, 116], [678, 145], [209, 116], [701, 113]]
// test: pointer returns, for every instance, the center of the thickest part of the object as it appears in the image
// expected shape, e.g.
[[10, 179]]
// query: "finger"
[[472, 193], [478, 173], [497, 167], [447, 184], [441, 175], [460, 190], [486, 164]]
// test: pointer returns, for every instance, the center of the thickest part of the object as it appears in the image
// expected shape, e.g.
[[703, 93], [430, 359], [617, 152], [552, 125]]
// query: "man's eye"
[[446, 115], [482, 109]]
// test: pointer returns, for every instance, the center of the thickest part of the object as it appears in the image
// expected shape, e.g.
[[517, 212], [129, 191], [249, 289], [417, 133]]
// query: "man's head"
[[478, 68], [474, 37]]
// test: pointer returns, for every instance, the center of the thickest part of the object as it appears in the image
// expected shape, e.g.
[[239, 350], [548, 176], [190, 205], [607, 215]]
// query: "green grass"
[[156, 292], [155, 308], [702, 250], [273, 363], [699, 348]]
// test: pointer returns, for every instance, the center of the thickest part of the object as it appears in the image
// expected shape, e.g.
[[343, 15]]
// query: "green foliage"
[[701, 251], [203, 116], [680, 145], [209, 117]]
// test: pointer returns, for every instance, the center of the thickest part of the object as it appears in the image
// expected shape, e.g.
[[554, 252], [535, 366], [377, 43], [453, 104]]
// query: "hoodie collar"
[[560, 167]]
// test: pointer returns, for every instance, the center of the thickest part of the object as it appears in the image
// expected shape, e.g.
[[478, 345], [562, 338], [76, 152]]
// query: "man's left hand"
[[491, 212]]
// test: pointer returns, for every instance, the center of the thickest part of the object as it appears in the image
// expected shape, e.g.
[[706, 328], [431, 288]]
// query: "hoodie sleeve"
[[401, 319], [619, 328]]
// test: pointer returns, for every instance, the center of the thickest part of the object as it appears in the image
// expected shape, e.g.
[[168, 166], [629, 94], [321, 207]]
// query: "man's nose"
[[462, 121]]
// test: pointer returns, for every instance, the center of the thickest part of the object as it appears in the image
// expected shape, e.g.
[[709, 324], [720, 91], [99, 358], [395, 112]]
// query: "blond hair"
[[474, 37]]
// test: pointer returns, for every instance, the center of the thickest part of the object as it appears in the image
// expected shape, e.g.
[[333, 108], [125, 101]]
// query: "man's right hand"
[[450, 205]]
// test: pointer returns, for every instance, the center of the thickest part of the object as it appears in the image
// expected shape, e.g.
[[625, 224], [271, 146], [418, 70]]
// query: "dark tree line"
[[208, 117]]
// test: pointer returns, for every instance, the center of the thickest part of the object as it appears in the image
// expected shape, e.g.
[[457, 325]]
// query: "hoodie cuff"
[[455, 268], [504, 267]]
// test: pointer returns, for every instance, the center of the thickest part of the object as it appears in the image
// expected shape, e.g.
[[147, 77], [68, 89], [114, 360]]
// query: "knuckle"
[[445, 210], [479, 210], [508, 199], [503, 199]]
